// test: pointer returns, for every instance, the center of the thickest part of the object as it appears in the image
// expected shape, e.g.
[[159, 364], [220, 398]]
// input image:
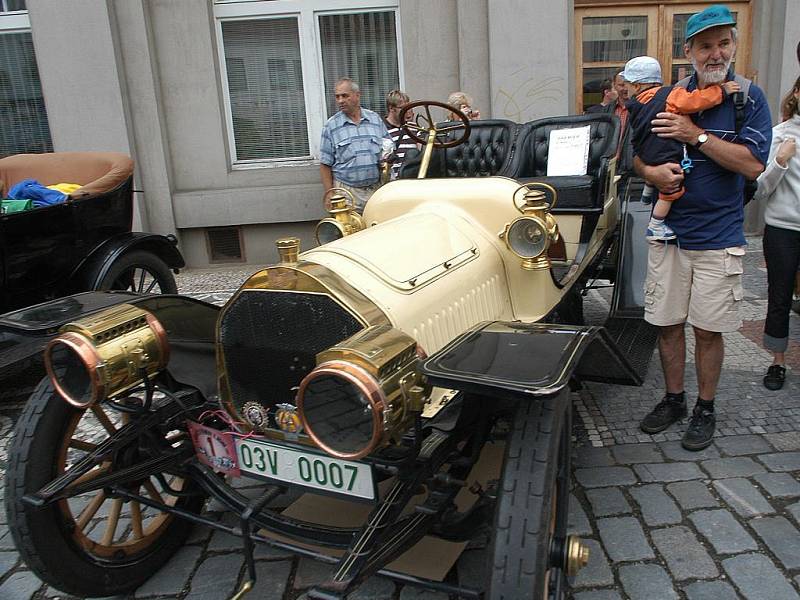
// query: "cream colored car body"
[[433, 261]]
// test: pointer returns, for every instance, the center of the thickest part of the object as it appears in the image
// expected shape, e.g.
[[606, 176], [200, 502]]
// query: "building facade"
[[221, 102]]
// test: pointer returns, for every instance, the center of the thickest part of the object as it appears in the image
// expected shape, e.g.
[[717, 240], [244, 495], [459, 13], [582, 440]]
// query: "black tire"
[[139, 271], [532, 502], [51, 540]]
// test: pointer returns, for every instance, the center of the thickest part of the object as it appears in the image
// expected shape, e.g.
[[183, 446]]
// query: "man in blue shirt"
[[352, 142], [697, 279]]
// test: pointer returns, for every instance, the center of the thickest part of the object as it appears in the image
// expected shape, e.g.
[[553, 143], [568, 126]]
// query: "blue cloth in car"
[[39, 194]]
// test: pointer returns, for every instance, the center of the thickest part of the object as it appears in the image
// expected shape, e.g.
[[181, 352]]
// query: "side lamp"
[[344, 219], [529, 236]]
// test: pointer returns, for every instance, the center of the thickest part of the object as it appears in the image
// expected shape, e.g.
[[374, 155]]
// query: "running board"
[[633, 339], [626, 327], [514, 359]]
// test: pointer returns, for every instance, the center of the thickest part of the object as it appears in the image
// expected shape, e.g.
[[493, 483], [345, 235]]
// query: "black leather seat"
[[576, 193], [488, 151]]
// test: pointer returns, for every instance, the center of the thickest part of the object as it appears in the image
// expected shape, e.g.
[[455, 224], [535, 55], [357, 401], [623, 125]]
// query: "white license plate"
[[305, 468]]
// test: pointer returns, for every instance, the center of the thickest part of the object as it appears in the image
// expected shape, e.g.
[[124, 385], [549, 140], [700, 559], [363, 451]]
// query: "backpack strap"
[[739, 98]]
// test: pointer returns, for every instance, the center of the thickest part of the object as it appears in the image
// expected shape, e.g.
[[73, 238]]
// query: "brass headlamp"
[[344, 219], [101, 355], [363, 392], [530, 235]]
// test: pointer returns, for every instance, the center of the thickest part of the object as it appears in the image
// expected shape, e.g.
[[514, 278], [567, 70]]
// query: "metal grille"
[[224, 244], [270, 340]]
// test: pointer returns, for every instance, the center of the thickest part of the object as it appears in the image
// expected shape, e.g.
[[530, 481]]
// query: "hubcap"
[[576, 555]]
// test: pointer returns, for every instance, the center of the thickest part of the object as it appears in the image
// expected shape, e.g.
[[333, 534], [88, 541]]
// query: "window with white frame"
[[23, 118], [280, 60]]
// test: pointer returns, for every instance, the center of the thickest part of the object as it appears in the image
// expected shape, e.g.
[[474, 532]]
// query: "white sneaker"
[[659, 231]]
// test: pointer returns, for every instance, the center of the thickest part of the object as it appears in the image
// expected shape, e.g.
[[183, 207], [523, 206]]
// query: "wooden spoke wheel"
[[141, 272], [89, 544]]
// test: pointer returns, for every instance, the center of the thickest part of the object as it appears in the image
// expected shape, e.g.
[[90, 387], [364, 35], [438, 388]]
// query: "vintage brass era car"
[[411, 377]]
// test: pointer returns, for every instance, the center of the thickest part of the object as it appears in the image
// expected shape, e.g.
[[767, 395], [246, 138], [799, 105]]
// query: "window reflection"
[[592, 79], [617, 39]]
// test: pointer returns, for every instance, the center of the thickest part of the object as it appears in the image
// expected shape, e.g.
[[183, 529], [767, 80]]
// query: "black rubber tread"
[[42, 535], [143, 260], [519, 551]]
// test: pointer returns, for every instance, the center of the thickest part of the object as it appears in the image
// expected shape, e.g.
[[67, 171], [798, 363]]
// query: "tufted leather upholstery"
[[488, 151], [574, 192]]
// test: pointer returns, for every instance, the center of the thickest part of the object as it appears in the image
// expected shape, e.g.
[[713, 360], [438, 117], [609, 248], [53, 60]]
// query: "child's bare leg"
[[661, 209]]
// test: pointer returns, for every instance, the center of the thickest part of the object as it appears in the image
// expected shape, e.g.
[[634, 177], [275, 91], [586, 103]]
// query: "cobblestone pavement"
[[661, 522]]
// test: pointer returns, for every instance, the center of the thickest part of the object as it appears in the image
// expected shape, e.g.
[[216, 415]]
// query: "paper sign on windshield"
[[568, 152]]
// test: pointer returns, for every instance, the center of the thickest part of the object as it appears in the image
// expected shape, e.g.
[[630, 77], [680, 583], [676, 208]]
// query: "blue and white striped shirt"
[[353, 150]]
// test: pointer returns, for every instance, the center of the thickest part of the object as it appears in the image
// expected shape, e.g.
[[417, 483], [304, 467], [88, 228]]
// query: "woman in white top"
[[779, 184]]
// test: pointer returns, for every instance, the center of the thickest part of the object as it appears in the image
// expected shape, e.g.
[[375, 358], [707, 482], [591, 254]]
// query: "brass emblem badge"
[[256, 415], [287, 418]]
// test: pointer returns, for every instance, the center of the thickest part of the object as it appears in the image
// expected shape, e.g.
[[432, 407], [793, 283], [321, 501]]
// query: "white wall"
[[530, 45], [77, 62]]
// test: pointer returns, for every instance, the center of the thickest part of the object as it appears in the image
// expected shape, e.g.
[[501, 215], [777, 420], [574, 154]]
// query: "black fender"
[[91, 271], [190, 325], [505, 359]]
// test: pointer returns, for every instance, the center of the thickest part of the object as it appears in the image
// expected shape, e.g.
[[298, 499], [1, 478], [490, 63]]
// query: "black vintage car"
[[380, 372], [85, 243]]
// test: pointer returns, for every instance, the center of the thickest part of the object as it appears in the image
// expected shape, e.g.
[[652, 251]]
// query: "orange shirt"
[[622, 113], [683, 102]]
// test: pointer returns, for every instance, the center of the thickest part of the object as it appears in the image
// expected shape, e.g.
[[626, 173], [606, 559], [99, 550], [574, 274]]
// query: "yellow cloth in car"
[[65, 188]]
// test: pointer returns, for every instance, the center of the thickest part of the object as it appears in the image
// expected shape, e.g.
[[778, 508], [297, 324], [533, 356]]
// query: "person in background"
[[779, 184], [698, 278], [402, 142], [609, 97], [351, 145], [625, 147], [618, 108], [463, 102]]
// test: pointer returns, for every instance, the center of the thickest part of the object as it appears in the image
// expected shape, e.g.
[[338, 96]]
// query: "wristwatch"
[[701, 139]]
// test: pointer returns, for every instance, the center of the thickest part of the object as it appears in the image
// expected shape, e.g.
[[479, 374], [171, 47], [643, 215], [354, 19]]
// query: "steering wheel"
[[348, 198], [420, 129]]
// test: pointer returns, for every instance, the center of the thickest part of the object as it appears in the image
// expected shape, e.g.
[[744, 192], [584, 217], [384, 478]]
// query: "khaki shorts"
[[701, 287]]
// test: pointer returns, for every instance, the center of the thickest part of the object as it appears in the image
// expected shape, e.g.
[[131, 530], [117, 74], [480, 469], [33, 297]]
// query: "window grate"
[[224, 244], [362, 46], [12, 5], [23, 118], [265, 84]]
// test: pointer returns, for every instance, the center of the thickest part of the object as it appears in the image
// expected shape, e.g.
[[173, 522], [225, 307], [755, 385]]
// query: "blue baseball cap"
[[713, 16]]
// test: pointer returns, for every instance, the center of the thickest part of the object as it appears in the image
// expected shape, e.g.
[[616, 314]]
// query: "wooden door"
[[608, 34]]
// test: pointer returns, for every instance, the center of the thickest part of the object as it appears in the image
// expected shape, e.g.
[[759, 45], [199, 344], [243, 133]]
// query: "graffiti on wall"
[[524, 98]]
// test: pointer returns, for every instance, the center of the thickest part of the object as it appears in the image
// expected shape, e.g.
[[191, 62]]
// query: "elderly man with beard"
[[696, 279]]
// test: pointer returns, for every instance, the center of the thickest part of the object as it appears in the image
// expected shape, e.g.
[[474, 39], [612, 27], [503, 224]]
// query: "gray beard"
[[713, 77]]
